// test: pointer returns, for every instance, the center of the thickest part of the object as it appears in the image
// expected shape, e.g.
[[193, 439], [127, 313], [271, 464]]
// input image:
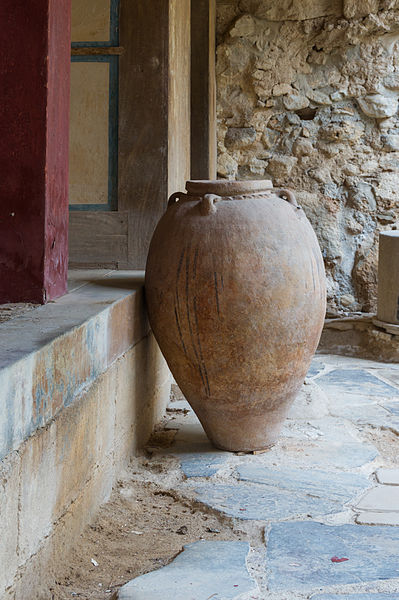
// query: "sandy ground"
[[140, 529]]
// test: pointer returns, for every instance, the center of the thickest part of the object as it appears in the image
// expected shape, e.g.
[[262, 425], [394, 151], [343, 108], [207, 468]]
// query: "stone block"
[[356, 382], [59, 460], [340, 487], [393, 407], [391, 142], [82, 393], [365, 414], [299, 555], [9, 496], [381, 498], [239, 137], [38, 574], [281, 166], [293, 10], [127, 325], [40, 478], [359, 8], [199, 459], [143, 394], [281, 493], [388, 596], [388, 476], [315, 368], [202, 571], [266, 503], [378, 518], [16, 407], [334, 448], [295, 102], [281, 89], [378, 106]]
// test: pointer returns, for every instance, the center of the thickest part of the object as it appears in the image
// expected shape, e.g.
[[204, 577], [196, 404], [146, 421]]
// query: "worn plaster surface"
[[48, 356], [82, 383], [308, 96], [320, 510]]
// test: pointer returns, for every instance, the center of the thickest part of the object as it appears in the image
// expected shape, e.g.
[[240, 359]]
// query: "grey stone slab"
[[370, 414], [198, 457], [299, 555], [340, 487], [387, 596], [269, 503], [338, 361], [200, 460], [382, 497], [393, 407], [323, 454], [341, 456], [388, 476], [356, 382], [391, 374], [334, 447], [315, 368], [203, 570], [378, 518], [310, 403], [366, 413]]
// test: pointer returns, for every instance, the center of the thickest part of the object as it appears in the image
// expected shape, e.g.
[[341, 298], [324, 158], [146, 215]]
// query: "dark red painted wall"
[[34, 115]]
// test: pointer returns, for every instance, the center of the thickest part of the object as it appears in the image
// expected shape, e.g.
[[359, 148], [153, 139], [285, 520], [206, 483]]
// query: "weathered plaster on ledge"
[[49, 357]]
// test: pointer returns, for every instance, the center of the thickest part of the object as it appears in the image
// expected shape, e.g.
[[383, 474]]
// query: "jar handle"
[[175, 198], [287, 195], [207, 205]]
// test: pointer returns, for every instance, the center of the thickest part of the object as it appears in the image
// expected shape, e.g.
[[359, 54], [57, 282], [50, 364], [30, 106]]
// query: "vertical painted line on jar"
[[177, 305], [216, 292], [179, 267], [195, 263], [208, 389], [180, 332], [189, 318]]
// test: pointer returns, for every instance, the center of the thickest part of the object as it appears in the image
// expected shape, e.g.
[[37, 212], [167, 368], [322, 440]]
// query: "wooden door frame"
[[154, 131]]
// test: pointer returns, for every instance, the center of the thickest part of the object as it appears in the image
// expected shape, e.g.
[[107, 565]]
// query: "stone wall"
[[308, 96]]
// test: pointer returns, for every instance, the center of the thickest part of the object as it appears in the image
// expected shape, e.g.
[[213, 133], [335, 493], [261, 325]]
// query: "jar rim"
[[224, 187]]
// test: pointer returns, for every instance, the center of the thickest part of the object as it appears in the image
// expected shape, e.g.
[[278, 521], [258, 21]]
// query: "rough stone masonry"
[[308, 95]]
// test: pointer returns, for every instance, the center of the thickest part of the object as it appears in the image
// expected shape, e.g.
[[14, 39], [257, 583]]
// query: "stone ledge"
[[359, 336], [50, 355]]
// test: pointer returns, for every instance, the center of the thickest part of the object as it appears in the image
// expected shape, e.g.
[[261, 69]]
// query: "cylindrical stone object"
[[388, 277]]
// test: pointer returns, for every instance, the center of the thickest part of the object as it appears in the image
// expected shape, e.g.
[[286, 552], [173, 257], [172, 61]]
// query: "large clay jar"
[[235, 287]]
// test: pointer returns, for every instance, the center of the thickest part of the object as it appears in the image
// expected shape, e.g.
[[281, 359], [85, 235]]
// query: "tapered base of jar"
[[243, 431], [252, 451]]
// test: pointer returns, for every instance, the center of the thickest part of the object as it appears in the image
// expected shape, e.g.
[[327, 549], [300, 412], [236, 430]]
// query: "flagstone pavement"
[[325, 498]]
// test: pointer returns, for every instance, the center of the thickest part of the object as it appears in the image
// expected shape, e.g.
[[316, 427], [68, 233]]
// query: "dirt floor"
[[140, 529]]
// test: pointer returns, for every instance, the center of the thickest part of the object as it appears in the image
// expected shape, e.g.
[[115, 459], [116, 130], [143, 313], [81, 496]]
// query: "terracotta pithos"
[[235, 288]]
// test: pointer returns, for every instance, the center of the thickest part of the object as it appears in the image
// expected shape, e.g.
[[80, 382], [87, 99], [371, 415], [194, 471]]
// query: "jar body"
[[235, 289]]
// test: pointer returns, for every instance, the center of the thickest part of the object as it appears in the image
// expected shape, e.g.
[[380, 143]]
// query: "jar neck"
[[223, 187]]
